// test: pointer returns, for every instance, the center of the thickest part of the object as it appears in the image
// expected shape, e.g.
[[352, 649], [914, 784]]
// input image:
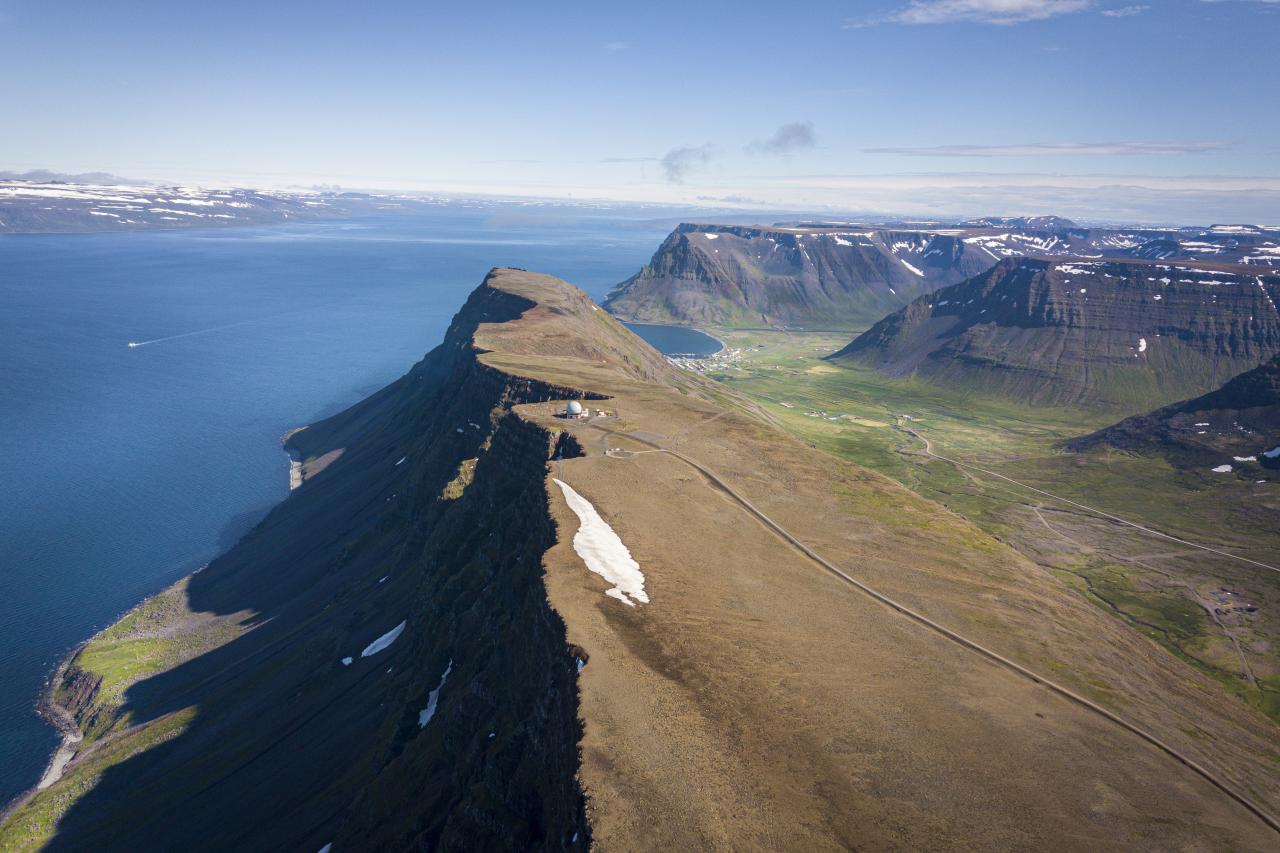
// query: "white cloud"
[[998, 12], [679, 162], [1057, 149], [1125, 11], [787, 138], [615, 46]]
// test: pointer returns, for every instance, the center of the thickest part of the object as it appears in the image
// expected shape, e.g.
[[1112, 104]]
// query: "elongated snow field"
[[382, 642], [603, 552], [433, 698]]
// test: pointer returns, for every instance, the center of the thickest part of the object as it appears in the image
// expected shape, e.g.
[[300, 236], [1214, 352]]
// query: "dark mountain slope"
[[1119, 335], [1235, 425]]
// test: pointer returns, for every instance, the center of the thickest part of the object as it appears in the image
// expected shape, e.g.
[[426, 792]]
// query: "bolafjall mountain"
[[488, 620], [1120, 335], [1236, 427], [832, 278]]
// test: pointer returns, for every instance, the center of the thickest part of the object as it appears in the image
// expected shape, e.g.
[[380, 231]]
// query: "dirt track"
[[782, 532]]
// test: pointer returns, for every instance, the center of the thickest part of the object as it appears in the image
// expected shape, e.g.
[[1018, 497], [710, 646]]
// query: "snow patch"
[[603, 552], [384, 641], [433, 698], [913, 269], [347, 661], [1222, 469], [712, 236], [1273, 453], [1142, 344], [1245, 458]]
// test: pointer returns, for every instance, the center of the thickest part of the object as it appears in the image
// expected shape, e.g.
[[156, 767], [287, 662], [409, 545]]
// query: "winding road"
[[995, 657]]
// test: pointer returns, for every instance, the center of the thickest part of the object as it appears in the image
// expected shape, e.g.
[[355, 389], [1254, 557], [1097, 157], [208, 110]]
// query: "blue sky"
[[1147, 111]]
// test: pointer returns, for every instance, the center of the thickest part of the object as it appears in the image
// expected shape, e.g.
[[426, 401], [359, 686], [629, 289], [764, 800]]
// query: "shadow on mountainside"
[[288, 746]]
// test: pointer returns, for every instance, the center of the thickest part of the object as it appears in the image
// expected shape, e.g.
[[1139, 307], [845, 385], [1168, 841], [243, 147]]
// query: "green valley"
[[1213, 610]]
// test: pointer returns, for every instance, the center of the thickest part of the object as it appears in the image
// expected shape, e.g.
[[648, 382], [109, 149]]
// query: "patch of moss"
[[455, 487]]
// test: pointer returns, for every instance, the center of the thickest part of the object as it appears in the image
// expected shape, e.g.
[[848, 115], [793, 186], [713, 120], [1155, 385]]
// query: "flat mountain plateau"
[[409, 652]]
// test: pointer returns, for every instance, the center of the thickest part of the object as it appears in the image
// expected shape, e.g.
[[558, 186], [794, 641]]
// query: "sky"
[[1163, 111]]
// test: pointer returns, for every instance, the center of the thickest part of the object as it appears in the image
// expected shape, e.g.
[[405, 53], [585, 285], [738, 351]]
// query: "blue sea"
[[123, 468]]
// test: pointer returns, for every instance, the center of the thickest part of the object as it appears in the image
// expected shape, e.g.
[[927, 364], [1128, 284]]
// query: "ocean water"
[[122, 469]]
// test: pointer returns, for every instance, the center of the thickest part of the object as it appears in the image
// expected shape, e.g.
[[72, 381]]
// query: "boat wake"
[[135, 344]]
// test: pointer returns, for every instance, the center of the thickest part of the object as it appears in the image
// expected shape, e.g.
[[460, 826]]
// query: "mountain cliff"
[[838, 276], [664, 625], [1082, 333], [821, 278], [1236, 426]]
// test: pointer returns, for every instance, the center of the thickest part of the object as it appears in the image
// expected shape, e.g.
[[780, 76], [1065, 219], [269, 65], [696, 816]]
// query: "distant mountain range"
[[55, 206], [1236, 427], [1113, 334], [45, 176], [1042, 223], [846, 275]]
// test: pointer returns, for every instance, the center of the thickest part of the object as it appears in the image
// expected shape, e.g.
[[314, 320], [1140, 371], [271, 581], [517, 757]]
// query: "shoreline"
[[296, 474], [723, 345], [59, 718]]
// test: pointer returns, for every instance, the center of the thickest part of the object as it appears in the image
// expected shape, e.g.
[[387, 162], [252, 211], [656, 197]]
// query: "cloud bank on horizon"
[[1057, 149]]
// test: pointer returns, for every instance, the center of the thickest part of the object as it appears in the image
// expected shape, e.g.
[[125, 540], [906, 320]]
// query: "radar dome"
[[574, 408]]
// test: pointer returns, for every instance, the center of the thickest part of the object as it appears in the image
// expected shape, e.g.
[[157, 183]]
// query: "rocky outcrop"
[[1120, 335]]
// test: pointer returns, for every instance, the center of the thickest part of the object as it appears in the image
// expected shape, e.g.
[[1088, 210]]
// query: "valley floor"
[[1211, 608]]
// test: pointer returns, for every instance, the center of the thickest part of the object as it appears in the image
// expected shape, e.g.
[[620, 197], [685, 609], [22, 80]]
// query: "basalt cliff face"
[[419, 650], [1119, 335], [814, 278]]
